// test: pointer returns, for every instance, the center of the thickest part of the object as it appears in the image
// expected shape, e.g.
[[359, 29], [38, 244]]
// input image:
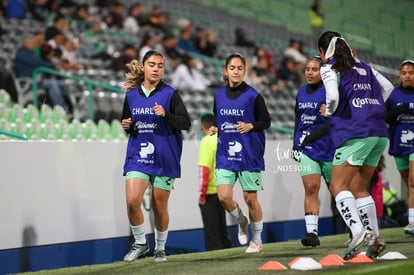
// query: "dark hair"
[[45, 50], [228, 59], [342, 55], [317, 58], [208, 120], [186, 60], [235, 55], [150, 53]]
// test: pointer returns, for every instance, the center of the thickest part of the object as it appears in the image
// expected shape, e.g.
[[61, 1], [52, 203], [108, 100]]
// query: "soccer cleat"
[[159, 256], [243, 231], [409, 229], [376, 248], [358, 240], [137, 251], [311, 239], [254, 248]]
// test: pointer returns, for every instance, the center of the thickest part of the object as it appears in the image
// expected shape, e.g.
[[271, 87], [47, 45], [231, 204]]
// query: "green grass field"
[[235, 261]]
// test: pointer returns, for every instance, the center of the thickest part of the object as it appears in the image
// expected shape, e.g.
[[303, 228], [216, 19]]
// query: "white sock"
[[238, 215], [160, 239], [368, 214], [139, 233], [345, 203], [311, 221], [411, 215], [257, 228]]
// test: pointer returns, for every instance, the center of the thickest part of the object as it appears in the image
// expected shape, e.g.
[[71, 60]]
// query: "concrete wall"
[[59, 192]]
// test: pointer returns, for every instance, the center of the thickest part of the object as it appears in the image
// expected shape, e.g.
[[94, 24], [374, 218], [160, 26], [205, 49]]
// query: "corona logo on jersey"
[[359, 102]]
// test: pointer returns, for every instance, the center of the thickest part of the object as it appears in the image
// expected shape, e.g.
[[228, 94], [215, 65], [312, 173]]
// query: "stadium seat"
[[117, 132], [4, 124], [103, 130], [89, 130], [46, 113], [4, 110], [58, 114], [5, 98], [74, 130]]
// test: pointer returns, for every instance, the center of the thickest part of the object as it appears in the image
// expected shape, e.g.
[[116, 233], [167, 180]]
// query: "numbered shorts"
[[165, 183], [361, 151], [308, 166], [403, 161], [249, 181]]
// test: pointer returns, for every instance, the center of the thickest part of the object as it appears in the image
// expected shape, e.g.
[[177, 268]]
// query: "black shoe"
[[311, 239]]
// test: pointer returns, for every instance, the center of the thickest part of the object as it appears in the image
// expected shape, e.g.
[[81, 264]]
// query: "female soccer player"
[[401, 119], [355, 95], [154, 115], [242, 117], [313, 141]]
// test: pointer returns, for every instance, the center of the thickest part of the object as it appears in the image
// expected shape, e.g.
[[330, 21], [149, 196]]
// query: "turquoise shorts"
[[249, 181], [165, 183], [308, 166], [403, 161], [361, 151]]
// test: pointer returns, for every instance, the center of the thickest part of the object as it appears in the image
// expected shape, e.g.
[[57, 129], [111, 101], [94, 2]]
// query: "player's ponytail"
[[134, 76], [335, 46]]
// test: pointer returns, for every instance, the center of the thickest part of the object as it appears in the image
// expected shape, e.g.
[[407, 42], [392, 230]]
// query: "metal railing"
[[91, 84], [13, 135]]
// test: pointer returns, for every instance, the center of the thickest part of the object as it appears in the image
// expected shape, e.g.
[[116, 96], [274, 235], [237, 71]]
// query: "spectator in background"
[[38, 9], [154, 15], [25, 60], [80, 13], [206, 43], [15, 9], [287, 74], [92, 46], [295, 51], [261, 75], [316, 18], [170, 49], [212, 212], [263, 52], [119, 63], [187, 77], [54, 86], [242, 40], [115, 18], [147, 44], [69, 59], [185, 40], [56, 39], [60, 24], [131, 23]]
